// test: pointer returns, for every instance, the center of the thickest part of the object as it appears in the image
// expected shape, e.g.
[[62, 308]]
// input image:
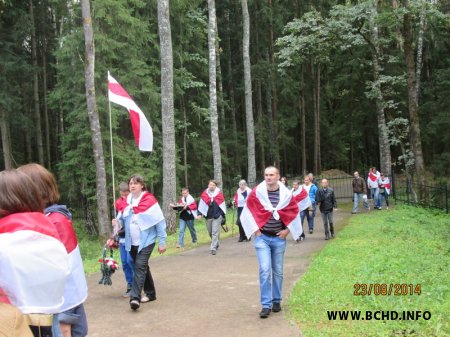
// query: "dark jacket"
[[359, 185], [326, 199]]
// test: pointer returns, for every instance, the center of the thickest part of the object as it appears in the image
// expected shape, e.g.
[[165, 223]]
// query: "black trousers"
[[238, 222], [142, 276]]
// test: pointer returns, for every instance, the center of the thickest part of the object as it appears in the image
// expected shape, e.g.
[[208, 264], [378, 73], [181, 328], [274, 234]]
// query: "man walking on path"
[[359, 192], [188, 212], [372, 183], [271, 213], [327, 202]]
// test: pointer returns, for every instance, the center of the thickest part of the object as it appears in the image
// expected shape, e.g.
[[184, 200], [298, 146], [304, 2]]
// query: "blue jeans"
[[190, 225], [356, 198], [380, 198], [374, 193], [127, 264], [270, 251], [309, 218]]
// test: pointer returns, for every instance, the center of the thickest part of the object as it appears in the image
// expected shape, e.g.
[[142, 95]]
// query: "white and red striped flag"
[[301, 196], [142, 130], [258, 210], [207, 197], [146, 210]]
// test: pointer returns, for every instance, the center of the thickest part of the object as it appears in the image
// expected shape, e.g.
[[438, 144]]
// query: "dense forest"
[[228, 86]]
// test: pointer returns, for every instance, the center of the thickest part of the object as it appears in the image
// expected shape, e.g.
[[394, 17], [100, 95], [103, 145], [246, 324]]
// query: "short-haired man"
[[327, 202], [359, 192], [271, 213]]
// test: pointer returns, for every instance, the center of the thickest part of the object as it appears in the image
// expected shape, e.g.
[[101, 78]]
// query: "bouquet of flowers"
[[107, 266]]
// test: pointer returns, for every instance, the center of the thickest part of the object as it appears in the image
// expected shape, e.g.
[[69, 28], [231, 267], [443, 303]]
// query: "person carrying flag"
[[271, 213], [303, 200], [239, 201], [212, 207], [372, 183], [384, 186], [144, 223], [188, 212]]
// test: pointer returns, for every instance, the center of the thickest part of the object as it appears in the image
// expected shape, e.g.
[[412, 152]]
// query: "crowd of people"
[[42, 283]]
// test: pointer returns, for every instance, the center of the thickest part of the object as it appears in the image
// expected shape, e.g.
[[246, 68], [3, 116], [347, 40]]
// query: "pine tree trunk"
[[6, 140], [319, 161], [261, 133], [221, 105], [168, 124], [383, 137], [217, 159], [94, 122], [231, 89], [422, 27], [185, 161], [248, 97], [44, 99], [303, 130], [412, 97], [37, 112], [274, 93], [316, 121]]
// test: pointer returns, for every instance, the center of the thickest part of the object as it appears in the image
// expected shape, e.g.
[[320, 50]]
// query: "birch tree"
[[217, 160], [94, 122], [167, 112], [248, 96]]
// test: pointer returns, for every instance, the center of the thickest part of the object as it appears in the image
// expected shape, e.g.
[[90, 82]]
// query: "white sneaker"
[[387, 207]]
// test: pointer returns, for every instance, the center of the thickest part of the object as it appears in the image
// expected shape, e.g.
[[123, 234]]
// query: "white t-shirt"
[[135, 233]]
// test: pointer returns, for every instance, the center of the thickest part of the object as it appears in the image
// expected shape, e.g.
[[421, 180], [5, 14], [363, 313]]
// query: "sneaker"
[[354, 212], [276, 307], [146, 299], [387, 207], [311, 231], [265, 312], [178, 245], [213, 252], [134, 304], [332, 235]]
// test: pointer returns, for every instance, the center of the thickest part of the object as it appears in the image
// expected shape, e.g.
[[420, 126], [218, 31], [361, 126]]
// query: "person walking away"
[[119, 229], [327, 202], [311, 188], [212, 207], [72, 318], [239, 201], [34, 263], [384, 186], [144, 223], [359, 192], [188, 213], [372, 183], [301, 197], [271, 213]]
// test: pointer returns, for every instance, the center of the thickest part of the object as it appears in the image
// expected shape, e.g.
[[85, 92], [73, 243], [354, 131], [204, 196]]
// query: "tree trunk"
[[422, 27], [94, 122], [248, 97], [383, 138], [316, 121], [37, 113], [303, 130], [319, 164], [217, 160], [44, 99], [6, 140], [261, 133], [412, 98], [185, 162], [168, 124], [220, 102]]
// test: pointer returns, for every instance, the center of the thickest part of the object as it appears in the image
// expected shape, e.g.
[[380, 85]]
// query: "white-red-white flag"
[[302, 198], [142, 130]]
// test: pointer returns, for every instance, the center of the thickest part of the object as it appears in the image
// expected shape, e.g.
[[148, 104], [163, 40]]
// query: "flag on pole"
[[142, 130]]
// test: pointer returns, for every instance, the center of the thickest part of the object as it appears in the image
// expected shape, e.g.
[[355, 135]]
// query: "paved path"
[[203, 295]]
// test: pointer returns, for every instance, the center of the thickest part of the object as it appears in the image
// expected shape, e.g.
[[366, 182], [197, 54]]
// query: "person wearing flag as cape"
[[72, 318], [144, 223], [384, 186], [303, 200], [34, 263], [239, 201], [188, 212], [372, 183], [271, 213], [212, 207]]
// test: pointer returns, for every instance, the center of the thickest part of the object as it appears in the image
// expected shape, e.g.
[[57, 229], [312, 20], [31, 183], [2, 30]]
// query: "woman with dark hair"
[[72, 318], [33, 262], [144, 223]]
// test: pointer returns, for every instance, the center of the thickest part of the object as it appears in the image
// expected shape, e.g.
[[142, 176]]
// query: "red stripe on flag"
[[65, 230], [135, 125], [117, 89], [147, 201], [37, 222]]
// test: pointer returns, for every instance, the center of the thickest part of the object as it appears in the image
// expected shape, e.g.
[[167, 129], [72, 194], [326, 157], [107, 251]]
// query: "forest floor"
[[202, 295]]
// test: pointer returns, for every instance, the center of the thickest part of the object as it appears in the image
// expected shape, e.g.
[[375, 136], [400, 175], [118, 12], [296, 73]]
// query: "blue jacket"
[[312, 193]]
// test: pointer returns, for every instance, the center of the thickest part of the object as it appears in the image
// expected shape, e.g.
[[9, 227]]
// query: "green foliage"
[[404, 245]]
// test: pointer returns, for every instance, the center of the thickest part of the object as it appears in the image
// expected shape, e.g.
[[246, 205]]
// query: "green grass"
[[403, 245], [91, 248]]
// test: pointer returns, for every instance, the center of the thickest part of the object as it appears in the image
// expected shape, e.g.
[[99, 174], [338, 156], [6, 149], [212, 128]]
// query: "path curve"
[[201, 295]]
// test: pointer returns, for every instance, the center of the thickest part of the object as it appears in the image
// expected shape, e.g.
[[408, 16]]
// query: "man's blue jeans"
[[127, 264], [309, 218], [270, 251], [374, 194], [190, 225], [356, 198]]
